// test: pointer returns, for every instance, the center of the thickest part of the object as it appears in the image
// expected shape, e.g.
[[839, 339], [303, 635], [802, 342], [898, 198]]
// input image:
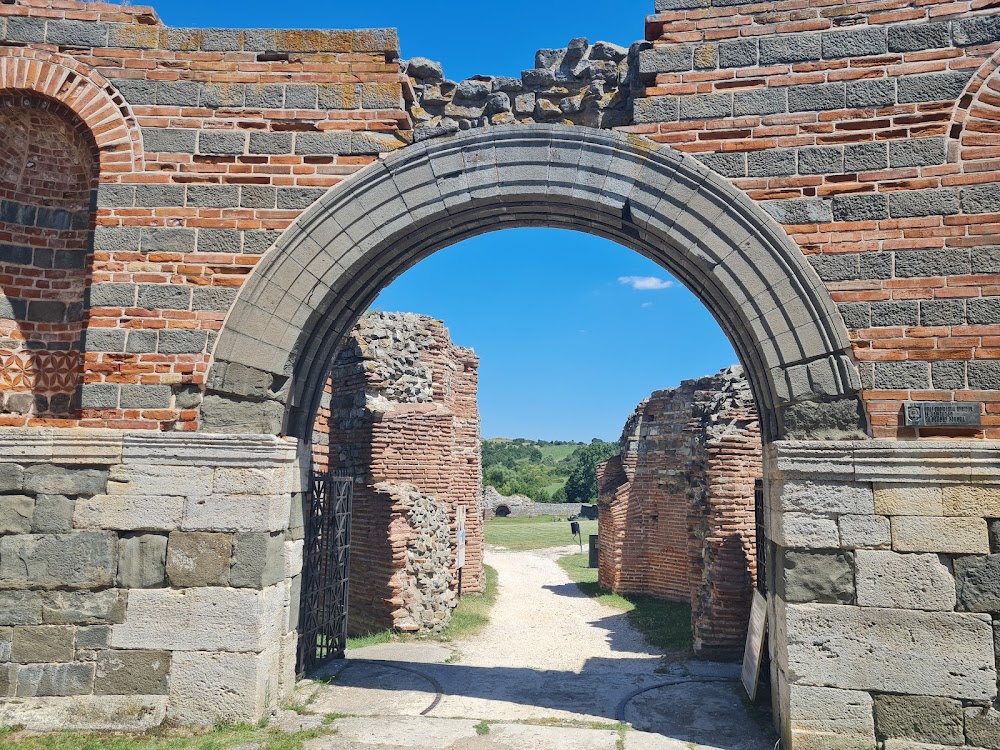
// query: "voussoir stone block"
[[84, 559], [889, 579], [908, 500], [978, 578], [201, 619], [199, 558], [948, 654], [129, 512], [919, 717], [134, 672], [967, 536], [822, 718]]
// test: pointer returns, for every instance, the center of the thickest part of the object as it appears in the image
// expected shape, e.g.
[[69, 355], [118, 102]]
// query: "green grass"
[[665, 625], [220, 738], [521, 534], [473, 611], [371, 639], [557, 452]]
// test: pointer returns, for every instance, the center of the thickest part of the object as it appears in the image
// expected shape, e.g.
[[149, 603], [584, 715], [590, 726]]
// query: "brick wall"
[[676, 508], [403, 411]]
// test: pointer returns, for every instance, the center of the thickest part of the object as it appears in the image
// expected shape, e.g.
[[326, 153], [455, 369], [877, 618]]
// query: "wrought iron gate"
[[323, 608]]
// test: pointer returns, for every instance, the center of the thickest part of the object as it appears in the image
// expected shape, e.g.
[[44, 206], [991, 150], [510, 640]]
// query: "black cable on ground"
[[438, 690]]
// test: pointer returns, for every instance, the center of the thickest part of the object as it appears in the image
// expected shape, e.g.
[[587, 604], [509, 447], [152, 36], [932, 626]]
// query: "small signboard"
[[942, 414], [460, 537], [754, 651]]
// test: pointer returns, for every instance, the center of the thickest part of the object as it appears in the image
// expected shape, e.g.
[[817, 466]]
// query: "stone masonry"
[[822, 174], [676, 507], [403, 419]]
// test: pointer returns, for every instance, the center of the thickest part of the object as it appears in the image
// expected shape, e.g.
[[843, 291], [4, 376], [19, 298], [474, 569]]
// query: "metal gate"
[[323, 605]]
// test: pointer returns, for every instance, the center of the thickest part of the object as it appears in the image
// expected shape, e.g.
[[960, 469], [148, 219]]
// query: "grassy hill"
[[539, 469]]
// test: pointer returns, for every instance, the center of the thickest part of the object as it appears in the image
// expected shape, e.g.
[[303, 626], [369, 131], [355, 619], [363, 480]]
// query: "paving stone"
[[196, 558], [921, 718]]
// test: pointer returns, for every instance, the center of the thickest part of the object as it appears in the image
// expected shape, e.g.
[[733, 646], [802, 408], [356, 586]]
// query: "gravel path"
[[542, 621]]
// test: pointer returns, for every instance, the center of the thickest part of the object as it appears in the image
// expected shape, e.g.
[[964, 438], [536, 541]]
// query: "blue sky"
[[572, 331]]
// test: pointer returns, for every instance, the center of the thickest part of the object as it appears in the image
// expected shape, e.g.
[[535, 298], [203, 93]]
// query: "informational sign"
[[942, 414], [754, 651], [460, 536]]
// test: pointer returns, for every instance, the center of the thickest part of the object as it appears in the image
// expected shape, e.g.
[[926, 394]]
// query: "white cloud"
[[645, 283], [646, 305]]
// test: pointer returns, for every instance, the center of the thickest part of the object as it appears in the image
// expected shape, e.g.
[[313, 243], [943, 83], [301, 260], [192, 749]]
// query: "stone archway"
[[275, 349]]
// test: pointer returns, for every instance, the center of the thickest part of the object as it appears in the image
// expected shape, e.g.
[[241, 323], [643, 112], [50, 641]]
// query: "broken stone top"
[[580, 84]]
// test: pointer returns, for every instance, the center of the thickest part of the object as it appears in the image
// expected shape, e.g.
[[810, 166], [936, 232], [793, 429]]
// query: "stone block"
[[16, 512], [62, 480], [170, 140], [982, 727], [815, 97], [198, 558], [821, 718], [917, 37], [912, 203], [948, 375], [960, 536], [94, 637], [917, 152], [20, 608], [902, 375], [863, 42], [936, 87], [258, 560], [35, 680], [776, 49], [917, 263], [42, 643], [919, 717], [895, 314], [944, 312], [209, 688], [224, 143], [129, 512], [824, 497], [160, 480], [863, 207], [875, 92], [251, 481], [994, 536], [947, 654], [984, 311], [908, 500], [826, 577], [978, 580], [84, 559], [864, 532], [53, 514], [201, 619], [805, 531], [978, 500], [865, 157], [759, 102], [11, 478], [738, 53], [142, 561], [236, 513], [83, 607], [136, 672], [889, 579], [105, 713], [976, 30]]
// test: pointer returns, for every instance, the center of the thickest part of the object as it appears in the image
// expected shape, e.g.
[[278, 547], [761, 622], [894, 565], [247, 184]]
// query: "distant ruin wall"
[[676, 507], [496, 505], [402, 411]]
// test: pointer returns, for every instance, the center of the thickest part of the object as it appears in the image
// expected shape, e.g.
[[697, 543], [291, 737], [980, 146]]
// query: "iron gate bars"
[[323, 608]]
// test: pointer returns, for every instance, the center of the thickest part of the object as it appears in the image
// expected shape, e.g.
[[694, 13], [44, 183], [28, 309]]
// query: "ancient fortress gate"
[[193, 219]]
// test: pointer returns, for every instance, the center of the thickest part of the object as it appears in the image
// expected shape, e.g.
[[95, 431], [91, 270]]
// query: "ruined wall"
[[403, 411], [518, 506], [676, 507]]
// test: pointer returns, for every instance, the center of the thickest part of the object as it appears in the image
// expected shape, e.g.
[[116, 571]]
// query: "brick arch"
[[84, 92], [975, 120], [276, 346]]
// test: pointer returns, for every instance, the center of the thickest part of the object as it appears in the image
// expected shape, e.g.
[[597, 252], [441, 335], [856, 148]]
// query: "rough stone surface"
[[209, 688], [982, 727], [129, 512], [930, 534], [83, 559], [137, 672], [196, 558], [16, 512], [258, 560], [142, 561], [978, 580], [42, 643], [919, 718], [827, 718], [888, 579], [817, 577]]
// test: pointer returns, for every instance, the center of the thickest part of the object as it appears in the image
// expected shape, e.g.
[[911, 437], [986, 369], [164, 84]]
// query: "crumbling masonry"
[[676, 507], [402, 418]]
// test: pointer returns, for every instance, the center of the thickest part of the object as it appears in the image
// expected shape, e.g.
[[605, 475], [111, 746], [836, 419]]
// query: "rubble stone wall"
[[403, 411], [676, 507]]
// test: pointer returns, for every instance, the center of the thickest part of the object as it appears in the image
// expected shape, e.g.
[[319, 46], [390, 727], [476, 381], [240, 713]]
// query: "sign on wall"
[[754, 651]]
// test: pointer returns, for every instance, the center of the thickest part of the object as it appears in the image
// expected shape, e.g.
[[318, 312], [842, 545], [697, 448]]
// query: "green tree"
[[581, 486]]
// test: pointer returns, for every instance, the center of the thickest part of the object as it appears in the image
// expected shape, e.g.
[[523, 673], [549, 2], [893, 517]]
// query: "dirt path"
[[553, 668], [543, 621]]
